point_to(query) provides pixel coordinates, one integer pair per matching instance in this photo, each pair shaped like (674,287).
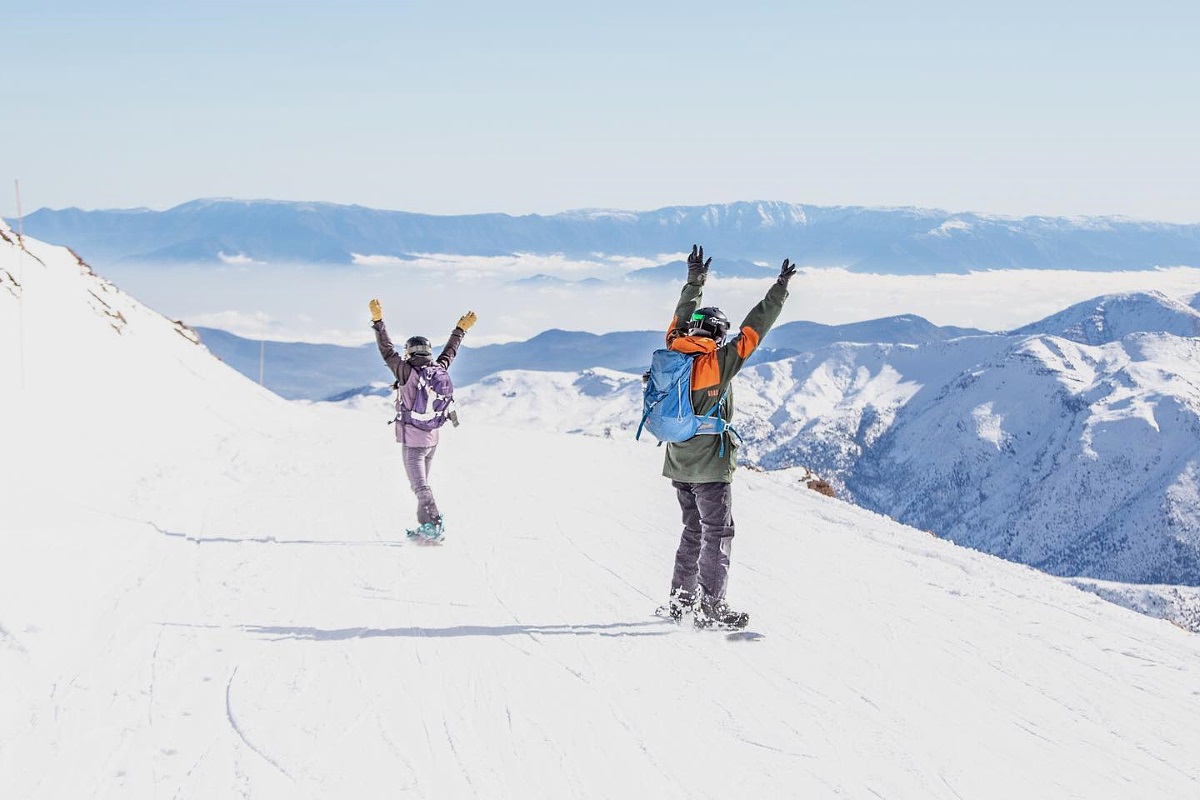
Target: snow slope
(99,390)
(213,597)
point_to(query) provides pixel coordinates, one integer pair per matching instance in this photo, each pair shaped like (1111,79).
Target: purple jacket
(403,370)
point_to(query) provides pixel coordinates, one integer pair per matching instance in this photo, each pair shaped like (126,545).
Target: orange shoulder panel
(747,342)
(706,371)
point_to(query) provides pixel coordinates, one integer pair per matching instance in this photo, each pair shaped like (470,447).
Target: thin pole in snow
(21,279)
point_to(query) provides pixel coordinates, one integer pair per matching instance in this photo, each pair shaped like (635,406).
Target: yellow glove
(376,311)
(467,320)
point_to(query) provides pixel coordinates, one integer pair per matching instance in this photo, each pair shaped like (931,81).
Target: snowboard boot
(428,532)
(717,614)
(681,604)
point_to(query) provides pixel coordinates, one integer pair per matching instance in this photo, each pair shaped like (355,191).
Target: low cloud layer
(427,294)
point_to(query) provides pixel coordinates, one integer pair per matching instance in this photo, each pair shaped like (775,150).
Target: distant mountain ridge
(300,371)
(897,240)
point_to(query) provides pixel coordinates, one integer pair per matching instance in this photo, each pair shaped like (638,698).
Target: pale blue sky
(1009,107)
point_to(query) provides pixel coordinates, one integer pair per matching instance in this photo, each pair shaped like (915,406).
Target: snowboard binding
(428,532)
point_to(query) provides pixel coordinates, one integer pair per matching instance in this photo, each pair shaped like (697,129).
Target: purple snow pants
(417,463)
(703,554)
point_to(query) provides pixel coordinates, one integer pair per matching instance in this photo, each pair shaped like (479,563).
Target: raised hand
(697,266)
(376,310)
(785,273)
(467,320)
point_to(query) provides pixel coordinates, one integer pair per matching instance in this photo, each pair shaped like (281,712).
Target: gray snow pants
(417,463)
(703,554)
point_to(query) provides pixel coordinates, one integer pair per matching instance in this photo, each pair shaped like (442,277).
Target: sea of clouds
(427,294)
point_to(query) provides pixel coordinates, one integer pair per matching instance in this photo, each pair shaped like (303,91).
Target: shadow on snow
(614,629)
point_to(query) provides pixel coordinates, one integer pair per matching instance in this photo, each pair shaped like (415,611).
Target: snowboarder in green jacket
(701,468)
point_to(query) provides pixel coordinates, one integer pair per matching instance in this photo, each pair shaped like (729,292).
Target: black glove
(697,266)
(785,273)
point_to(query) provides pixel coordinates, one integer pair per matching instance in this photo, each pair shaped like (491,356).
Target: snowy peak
(1112,317)
(743,215)
(64,285)
(8,282)
(98,380)
(902,329)
(1076,458)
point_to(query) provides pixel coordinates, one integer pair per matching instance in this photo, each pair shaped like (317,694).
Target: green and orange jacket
(700,459)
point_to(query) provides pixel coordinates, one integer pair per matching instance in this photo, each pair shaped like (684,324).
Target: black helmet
(709,321)
(418,346)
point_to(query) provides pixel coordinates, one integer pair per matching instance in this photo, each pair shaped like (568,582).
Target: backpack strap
(645,417)
(720,424)
(399,402)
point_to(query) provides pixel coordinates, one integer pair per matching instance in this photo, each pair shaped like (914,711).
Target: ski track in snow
(233,723)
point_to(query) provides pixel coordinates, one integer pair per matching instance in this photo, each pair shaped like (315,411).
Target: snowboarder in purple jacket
(414,370)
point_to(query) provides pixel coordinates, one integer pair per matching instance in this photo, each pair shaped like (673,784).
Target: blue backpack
(667,402)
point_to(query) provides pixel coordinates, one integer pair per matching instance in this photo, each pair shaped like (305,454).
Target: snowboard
(426,537)
(738,628)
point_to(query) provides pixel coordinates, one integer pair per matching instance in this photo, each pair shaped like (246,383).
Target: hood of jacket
(693,345)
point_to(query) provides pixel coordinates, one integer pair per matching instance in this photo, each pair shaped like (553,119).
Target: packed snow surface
(206,592)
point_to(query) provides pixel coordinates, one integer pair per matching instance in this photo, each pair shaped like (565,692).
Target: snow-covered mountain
(1112,317)
(302,371)
(1079,459)
(901,240)
(205,592)
(98,388)
(1076,459)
